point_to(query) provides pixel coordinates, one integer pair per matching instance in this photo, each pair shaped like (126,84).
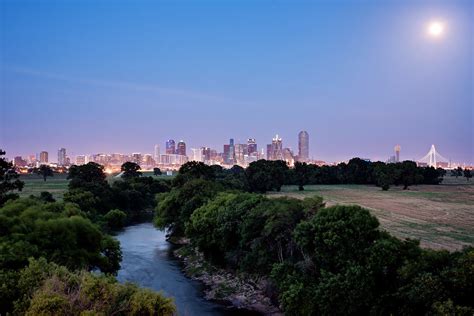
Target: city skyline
(274,151)
(91,79)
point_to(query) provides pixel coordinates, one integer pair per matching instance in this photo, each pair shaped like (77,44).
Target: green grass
(58,184)
(35,184)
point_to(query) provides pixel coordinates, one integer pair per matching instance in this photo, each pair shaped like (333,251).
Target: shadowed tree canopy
(157,171)
(467,174)
(89,173)
(194,170)
(44,171)
(266,175)
(130,170)
(8,180)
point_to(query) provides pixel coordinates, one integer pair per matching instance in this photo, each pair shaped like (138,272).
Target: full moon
(435,28)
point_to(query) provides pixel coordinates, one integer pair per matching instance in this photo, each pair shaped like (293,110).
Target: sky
(122,76)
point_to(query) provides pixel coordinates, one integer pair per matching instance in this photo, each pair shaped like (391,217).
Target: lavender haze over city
(359,76)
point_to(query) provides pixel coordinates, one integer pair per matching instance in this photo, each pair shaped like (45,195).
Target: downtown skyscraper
(62,157)
(170,147)
(303,146)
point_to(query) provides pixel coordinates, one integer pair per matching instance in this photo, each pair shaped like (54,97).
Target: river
(148,262)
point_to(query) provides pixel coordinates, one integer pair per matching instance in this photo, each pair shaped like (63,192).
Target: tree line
(320,260)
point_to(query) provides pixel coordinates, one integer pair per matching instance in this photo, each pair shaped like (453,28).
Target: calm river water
(148,262)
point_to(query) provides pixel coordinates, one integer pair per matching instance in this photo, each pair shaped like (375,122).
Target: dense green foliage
(116,219)
(266,175)
(467,174)
(45,171)
(8,180)
(57,231)
(130,170)
(156,171)
(248,231)
(49,289)
(359,171)
(175,207)
(328,261)
(134,195)
(72,234)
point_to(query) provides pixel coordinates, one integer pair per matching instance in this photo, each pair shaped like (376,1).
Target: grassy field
(57,185)
(34,185)
(440,216)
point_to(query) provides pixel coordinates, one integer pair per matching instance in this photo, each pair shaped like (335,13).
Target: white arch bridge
(432,158)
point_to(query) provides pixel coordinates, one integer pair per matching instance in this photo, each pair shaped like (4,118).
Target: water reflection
(147,261)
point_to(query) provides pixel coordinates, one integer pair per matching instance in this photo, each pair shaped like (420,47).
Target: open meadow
(34,185)
(57,185)
(440,216)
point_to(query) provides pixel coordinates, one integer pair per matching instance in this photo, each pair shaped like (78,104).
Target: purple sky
(359,76)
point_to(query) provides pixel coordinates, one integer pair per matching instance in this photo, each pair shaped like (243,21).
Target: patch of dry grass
(440,216)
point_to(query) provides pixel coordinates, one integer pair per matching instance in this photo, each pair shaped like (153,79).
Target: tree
(337,236)
(31,228)
(174,208)
(130,170)
(408,173)
(301,171)
(467,174)
(157,171)
(49,289)
(358,171)
(90,178)
(266,175)
(89,173)
(458,172)
(383,175)
(46,197)
(116,219)
(432,175)
(194,170)
(8,180)
(136,196)
(44,171)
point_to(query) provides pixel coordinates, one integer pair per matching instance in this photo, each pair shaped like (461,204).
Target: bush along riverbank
(226,287)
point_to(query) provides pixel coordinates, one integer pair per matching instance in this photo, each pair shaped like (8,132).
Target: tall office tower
(269,152)
(181,149)
(156,153)
(62,157)
(226,154)
(303,146)
(240,152)
(43,157)
(231,151)
(206,153)
(170,147)
(196,154)
(397,153)
(277,148)
(251,146)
